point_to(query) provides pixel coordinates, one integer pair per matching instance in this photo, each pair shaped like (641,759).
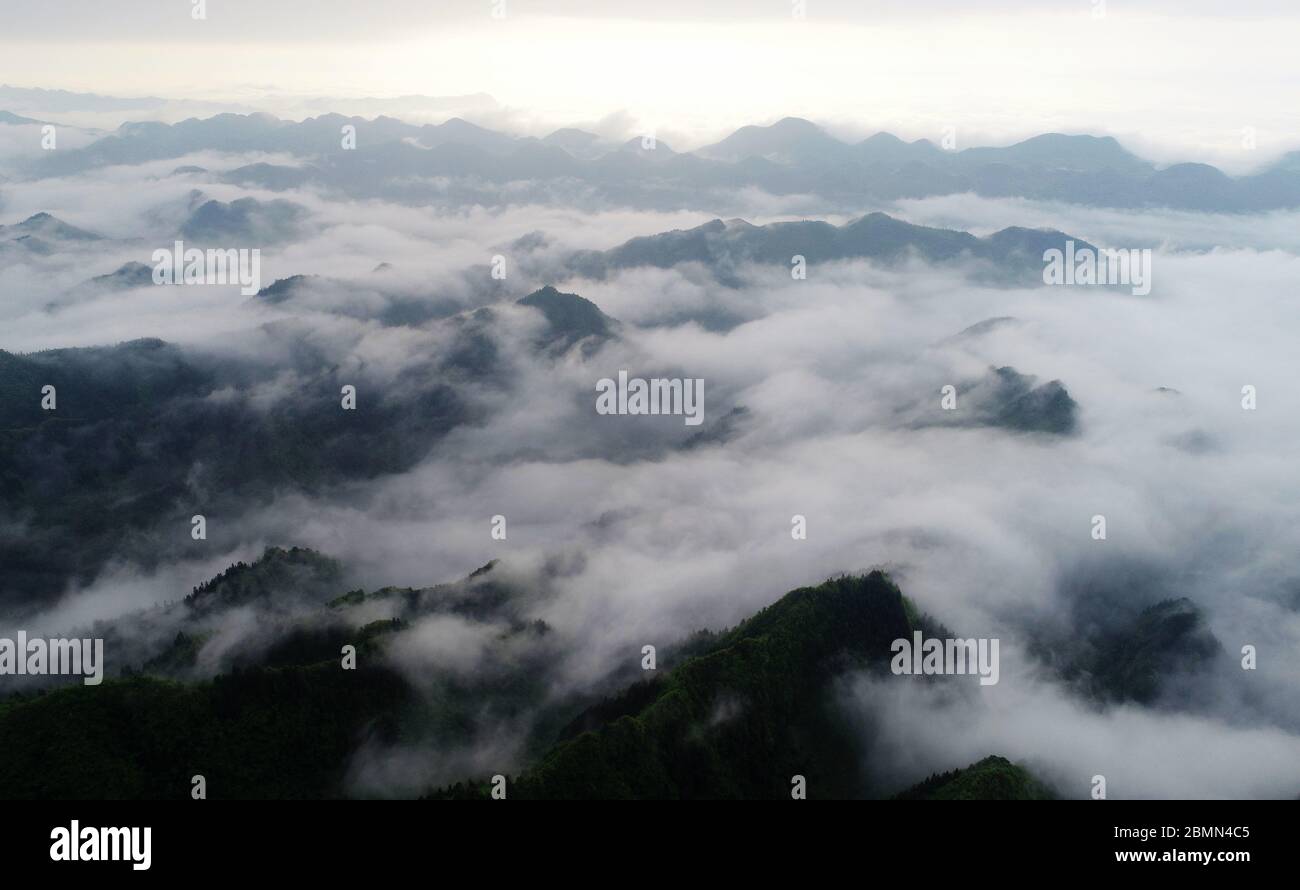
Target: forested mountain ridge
(731,715)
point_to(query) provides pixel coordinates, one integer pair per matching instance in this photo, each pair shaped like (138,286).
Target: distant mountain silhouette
(789,140)
(791,156)
(248,221)
(126,276)
(46,227)
(1013,253)
(8,117)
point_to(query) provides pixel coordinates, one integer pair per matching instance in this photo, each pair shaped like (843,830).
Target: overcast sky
(1180,80)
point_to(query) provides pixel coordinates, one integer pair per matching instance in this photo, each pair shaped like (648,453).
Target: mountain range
(139,436)
(731,714)
(792,156)
(734,714)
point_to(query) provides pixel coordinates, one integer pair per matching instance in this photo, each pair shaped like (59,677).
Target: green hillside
(742,719)
(737,715)
(993,778)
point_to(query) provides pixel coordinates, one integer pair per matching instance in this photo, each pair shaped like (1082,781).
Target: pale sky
(1172,80)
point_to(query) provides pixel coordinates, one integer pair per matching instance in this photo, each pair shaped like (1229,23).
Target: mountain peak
(570,134)
(48,225)
(882,138)
(789,139)
(571,317)
(1064,151)
(795,125)
(637,144)
(296,573)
